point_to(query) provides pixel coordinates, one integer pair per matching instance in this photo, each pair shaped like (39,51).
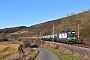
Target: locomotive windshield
(71,34)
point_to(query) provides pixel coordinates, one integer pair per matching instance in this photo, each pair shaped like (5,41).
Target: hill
(67,23)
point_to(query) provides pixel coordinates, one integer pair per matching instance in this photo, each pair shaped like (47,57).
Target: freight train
(63,37)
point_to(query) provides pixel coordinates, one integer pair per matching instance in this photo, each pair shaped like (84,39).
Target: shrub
(26,44)
(3,37)
(37,42)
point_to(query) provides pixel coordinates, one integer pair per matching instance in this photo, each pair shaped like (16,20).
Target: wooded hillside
(70,22)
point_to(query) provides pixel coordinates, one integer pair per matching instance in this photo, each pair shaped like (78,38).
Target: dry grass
(12,46)
(2,47)
(8,50)
(31,56)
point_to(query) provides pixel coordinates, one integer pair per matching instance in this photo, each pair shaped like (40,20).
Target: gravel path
(46,55)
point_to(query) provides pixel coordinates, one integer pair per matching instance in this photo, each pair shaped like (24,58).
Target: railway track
(82,45)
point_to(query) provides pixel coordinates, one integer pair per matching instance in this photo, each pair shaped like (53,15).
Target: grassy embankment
(31,56)
(62,55)
(8,48)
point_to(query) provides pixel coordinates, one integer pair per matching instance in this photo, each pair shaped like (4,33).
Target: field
(10,42)
(8,48)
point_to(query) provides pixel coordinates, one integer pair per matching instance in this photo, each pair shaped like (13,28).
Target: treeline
(12,30)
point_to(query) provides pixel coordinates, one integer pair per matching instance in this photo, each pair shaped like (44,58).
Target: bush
(26,44)
(37,42)
(3,37)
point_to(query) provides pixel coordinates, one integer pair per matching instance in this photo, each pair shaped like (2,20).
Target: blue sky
(30,12)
